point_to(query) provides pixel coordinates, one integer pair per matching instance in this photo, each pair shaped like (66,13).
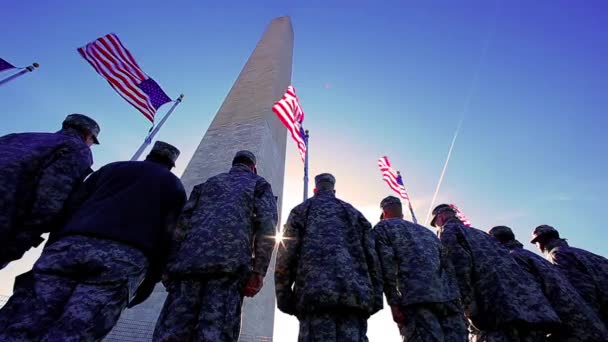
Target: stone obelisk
(244,121)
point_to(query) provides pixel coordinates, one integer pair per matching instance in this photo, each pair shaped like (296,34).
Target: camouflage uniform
(420,280)
(500,300)
(103,256)
(38,171)
(328,256)
(67,308)
(226,220)
(587,272)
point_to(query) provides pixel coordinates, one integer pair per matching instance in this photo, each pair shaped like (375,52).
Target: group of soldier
(116,232)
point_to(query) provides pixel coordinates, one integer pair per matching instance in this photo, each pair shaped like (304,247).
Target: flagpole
(20,73)
(306,136)
(151,135)
(409,202)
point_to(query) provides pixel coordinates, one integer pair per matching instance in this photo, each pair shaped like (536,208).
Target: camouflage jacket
(38,172)
(226,220)
(414,267)
(587,272)
(495,291)
(328,256)
(579,321)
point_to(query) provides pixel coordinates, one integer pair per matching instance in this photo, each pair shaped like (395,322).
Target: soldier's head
(163,153)
(441,214)
(503,234)
(87,127)
(325,182)
(391,207)
(247,158)
(542,235)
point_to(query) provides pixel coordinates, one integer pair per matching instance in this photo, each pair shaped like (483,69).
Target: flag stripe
(289,111)
(391,178)
(110,59)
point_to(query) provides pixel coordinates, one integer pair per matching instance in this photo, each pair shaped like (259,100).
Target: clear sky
(530,79)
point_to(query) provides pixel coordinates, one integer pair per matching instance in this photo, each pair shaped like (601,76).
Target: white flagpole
(151,135)
(306,136)
(20,73)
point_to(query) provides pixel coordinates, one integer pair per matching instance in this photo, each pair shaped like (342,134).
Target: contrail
(465,109)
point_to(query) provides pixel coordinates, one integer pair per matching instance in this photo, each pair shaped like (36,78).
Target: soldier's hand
(254,285)
(398,316)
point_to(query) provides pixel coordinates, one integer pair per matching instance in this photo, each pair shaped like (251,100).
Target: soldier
(587,272)
(501,301)
(329,258)
(227,220)
(114,241)
(419,281)
(38,171)
(579,321)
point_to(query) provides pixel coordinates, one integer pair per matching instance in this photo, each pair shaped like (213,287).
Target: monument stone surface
(244,121)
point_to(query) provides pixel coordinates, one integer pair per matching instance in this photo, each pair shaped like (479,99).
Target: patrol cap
(168,151)
(325,178)
(246,154)
(541,230)
(502,233)
(389,200)
(82,122)
(439,209)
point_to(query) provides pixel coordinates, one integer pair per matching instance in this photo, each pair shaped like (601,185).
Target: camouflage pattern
(415,269)
(328,255)
(247,154)
(80,285)
(165,150)
(223,219)
(325,178)
(587,272)
(201,310)
(579,321)
(509,334)
(82,122)
(434,322)
(38,171)
(327,327)
(496,293)
(419,278)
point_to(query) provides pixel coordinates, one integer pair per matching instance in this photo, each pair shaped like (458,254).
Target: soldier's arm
(183,222)
(386,254)
(55,185)
(265,222)
(461,259)
(287,262)
(373,263)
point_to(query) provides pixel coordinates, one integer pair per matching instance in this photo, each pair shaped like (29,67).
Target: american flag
(4,65)
(392,178)
(461,216)
(109,57)
(290,113)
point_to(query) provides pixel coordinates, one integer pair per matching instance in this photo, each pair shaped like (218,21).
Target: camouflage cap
(541,230)
(325,178)
(440,209)
(165,150)
(502,233)
(389,200)
(246,154)
(83,122)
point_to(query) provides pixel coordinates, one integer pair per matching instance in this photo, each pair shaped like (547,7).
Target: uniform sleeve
(287,262)
(183,223)
(264,225)
(386,254)
(55,185)
(373,263)
(577,275)
(462,260)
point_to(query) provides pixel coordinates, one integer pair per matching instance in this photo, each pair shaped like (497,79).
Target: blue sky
(374,78)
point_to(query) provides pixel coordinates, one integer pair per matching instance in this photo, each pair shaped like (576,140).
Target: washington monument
(244,121)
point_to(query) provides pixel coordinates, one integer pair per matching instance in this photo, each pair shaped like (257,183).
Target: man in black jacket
(108,254)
